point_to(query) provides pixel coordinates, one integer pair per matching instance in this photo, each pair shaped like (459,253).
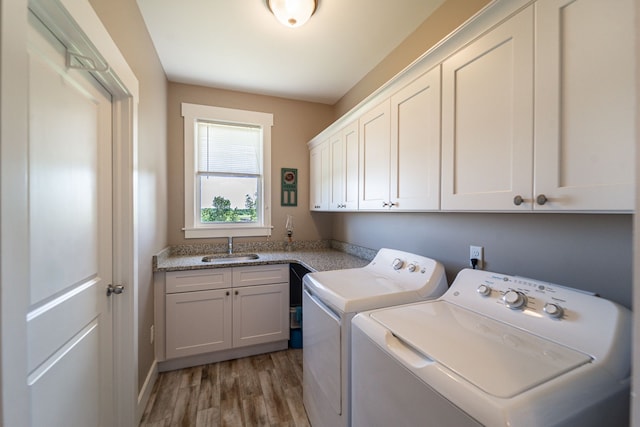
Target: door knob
(117,289)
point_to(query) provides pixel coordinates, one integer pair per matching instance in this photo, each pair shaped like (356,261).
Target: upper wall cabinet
(529,107)
(487,113)
(319,174)
(584,105)
(344,169)
(577,100)
(400,149)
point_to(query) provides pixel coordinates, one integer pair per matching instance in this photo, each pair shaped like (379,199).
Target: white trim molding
(193,112)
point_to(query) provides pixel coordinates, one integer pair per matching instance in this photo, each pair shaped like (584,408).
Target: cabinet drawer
(198,280)
(260,275)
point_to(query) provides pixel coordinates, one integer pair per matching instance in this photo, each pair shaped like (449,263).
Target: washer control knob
(484,290)
(553,310)
(397,264)
(412,267)
(514,300)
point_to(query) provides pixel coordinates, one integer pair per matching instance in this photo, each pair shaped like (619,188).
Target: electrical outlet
(477,252)
(151,334)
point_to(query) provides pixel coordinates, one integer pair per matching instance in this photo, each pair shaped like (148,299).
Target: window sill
(230,231)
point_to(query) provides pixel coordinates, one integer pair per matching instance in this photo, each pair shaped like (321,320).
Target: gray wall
(586,251)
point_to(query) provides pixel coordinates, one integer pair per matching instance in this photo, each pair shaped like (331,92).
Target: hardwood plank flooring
(263,390)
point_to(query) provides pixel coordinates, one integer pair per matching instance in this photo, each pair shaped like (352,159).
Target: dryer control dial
(412,267)
(515,300)
(553,310)
(484,290)
(397,264)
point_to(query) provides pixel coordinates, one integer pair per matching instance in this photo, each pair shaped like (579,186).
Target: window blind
(229,149)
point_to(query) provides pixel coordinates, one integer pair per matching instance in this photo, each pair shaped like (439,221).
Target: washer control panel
(408,272)
(405,265)
(520,294)
(411,265)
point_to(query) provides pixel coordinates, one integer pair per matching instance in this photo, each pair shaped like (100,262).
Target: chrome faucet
(230,245)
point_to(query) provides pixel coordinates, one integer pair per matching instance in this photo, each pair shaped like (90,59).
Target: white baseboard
(145,392)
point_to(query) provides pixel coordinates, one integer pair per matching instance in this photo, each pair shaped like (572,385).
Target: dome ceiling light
(292,13)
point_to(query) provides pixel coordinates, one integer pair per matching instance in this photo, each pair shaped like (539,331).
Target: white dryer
(495,350)
(330,300)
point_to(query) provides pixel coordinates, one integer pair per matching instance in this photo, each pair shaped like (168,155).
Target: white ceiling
(239,45)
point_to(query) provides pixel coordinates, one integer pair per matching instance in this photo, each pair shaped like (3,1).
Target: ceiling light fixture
(292,13)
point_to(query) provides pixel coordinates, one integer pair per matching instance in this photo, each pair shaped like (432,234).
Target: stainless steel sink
(229,257)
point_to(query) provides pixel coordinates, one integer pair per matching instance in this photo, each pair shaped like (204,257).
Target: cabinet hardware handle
(385,204)
(237,292)
(518,200)
(541,199)
(228,293)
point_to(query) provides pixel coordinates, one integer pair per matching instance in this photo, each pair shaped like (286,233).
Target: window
(227,174)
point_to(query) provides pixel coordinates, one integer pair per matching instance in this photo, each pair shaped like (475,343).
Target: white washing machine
(495,350)
(330,300)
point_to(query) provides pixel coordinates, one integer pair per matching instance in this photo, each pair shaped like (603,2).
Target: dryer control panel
(561,314)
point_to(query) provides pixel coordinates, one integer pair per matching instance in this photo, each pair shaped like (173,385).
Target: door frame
(76,24)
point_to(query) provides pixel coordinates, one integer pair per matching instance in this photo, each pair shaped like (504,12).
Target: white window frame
(193,228)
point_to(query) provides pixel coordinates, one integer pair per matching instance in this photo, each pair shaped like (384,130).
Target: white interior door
(69,323)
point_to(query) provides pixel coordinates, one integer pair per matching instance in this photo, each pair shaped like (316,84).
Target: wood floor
(263,390)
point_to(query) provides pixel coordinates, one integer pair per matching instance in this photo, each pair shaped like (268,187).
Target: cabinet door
(260,314)
(344,169)
(375,152)
(584,126)
(336,193)
(487,120)
(319,177)
(415,144)
(198,322)
(351,146)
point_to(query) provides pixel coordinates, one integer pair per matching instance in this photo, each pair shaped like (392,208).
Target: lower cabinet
(198,322)
(260,314)
(245,311)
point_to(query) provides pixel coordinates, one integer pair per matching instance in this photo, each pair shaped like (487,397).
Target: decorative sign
(289,187)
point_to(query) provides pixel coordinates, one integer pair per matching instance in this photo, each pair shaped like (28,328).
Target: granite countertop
(316,257)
